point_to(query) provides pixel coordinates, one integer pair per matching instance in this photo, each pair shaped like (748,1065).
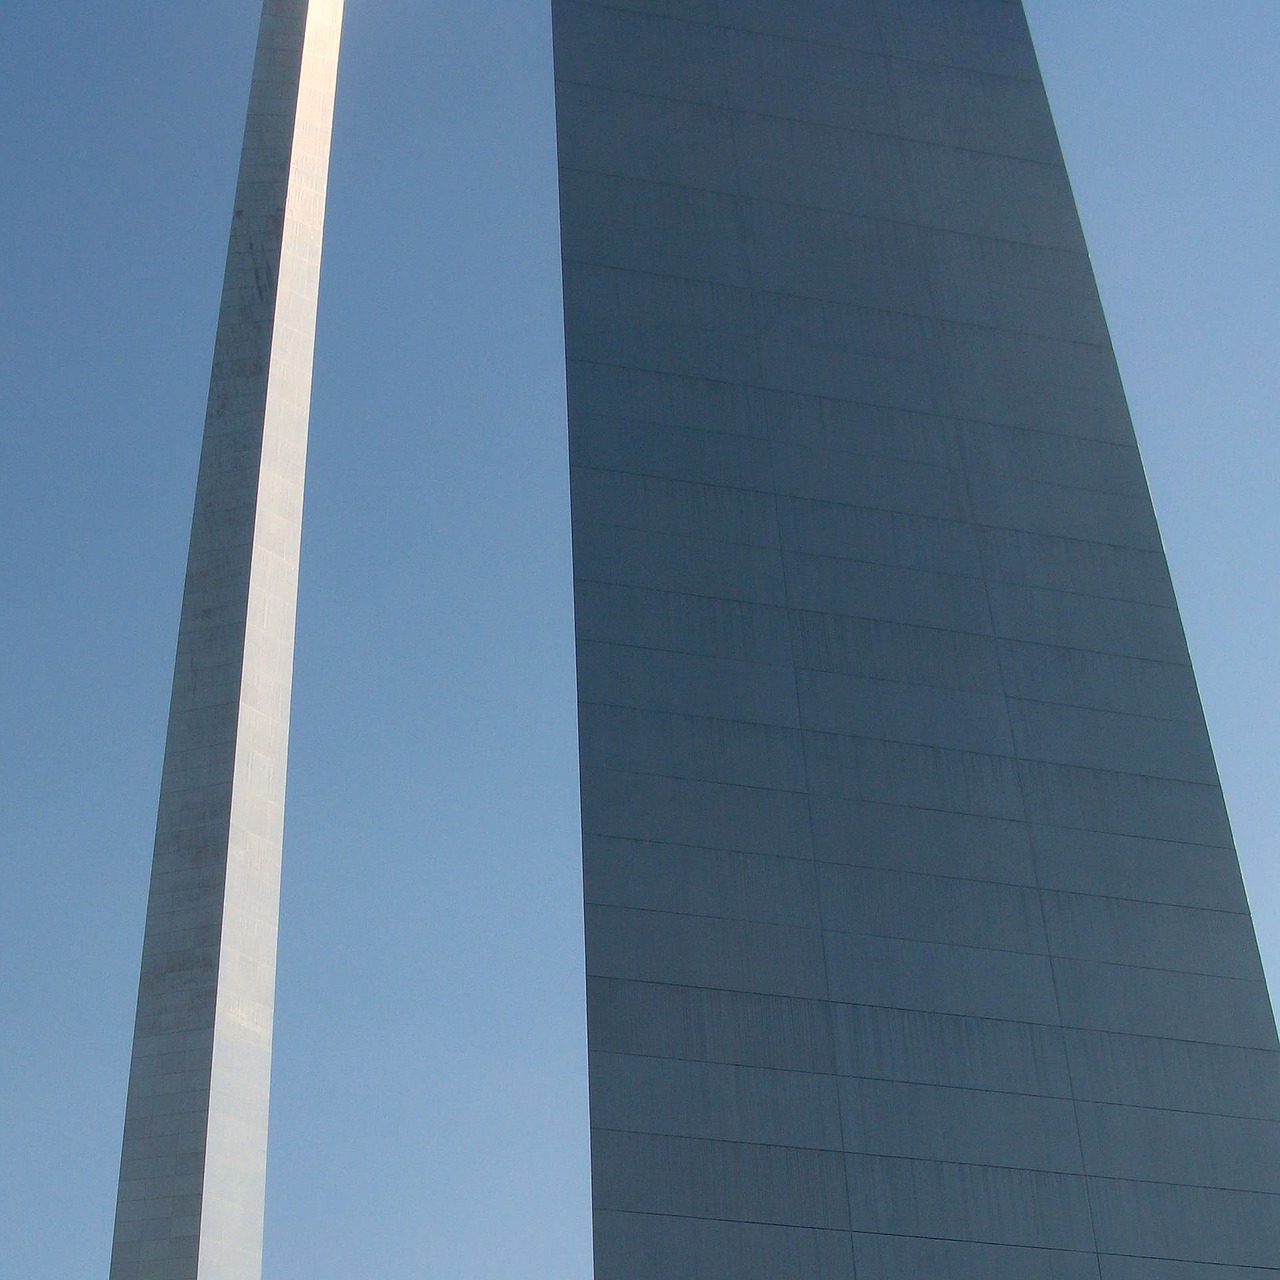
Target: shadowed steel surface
(193,1168)
(916,941)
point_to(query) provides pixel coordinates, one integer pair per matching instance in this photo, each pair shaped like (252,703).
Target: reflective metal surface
(193,1169)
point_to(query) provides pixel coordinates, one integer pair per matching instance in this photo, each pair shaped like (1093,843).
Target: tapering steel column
(193,1168)
(916,941)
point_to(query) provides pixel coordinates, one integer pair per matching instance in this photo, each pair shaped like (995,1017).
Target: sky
(429,1089)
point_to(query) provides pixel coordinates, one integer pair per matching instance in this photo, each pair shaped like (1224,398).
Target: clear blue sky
(429,1103)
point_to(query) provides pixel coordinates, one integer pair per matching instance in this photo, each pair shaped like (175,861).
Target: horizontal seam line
(934,1160)
(739,384)
(937,1013)
(720,25)
(908,1082)
(735,113)
(1103,347)
(821,933)
(585,579)
(1080,256)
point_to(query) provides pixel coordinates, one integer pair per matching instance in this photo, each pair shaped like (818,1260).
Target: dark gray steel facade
(916,941)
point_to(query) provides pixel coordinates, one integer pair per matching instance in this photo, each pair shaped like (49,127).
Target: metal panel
(193,1166)
(916,942)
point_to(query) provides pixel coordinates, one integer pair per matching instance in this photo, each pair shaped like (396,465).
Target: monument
(193,1166)
(916,942)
